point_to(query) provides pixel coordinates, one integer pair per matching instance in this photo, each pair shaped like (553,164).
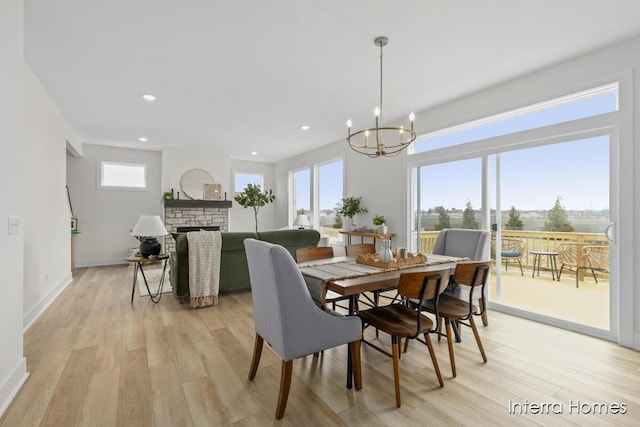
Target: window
(589,103)
(122,175)
(315,192)
(545,175)
(302,192)
(240,181)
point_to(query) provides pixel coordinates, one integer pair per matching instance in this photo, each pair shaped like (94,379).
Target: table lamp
(146,230)
(301,221)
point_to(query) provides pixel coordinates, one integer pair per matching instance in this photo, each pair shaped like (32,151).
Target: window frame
(100,175)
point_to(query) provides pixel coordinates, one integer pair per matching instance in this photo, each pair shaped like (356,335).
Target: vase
(385,254)
(382,229)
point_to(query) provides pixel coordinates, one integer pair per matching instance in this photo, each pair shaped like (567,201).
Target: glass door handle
(610,234)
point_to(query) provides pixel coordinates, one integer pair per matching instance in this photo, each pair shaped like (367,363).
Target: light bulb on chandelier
(387,140)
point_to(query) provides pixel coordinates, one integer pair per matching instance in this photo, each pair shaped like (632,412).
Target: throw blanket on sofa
(204,267)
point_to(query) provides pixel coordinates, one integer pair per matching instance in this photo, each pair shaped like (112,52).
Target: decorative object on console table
(381,223)
(146,230)
(349,207)
(301,221)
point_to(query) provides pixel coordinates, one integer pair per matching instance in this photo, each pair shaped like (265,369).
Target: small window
(240,181)
(121,175)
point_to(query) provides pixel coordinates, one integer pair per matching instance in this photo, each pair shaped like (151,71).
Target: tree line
(556,219)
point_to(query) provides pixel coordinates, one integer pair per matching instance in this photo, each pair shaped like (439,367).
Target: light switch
(14,224)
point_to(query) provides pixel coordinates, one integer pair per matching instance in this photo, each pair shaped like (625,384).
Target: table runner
(316,276)
(332,271)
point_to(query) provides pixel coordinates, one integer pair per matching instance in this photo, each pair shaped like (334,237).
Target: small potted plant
(349,207)
(381,223)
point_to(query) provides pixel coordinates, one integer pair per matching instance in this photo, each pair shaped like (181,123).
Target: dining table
(345,276)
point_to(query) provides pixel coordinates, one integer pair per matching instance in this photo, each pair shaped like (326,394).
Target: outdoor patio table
(551,260)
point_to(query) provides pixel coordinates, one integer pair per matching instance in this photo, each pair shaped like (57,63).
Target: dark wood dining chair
(313,253)
(401,321)
(321,252)
(451,309)
(362,249)
(359,249)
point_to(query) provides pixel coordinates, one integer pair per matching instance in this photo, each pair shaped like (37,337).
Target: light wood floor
(96,360)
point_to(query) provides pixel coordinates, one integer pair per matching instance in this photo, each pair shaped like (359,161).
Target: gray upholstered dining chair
(472,244)
(287,318)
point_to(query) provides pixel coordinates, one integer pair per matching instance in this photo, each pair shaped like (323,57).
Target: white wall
(13,369)
(47,241)
(105,217)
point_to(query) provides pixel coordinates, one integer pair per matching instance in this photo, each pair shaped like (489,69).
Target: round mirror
(193,181)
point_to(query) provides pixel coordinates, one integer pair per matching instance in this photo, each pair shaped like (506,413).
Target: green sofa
(234,272)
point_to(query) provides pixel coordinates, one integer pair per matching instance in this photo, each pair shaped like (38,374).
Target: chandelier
(381,140)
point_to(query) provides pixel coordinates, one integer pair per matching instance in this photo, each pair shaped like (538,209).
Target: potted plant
(381,223)
(349,207)
(254,197)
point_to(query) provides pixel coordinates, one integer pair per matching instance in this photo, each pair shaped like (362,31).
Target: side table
(551,257)
(138,263)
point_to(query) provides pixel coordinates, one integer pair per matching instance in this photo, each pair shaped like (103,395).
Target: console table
(370,235)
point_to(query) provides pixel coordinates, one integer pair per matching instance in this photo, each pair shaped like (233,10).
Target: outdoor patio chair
(583,257)
(286,317)
(510,249)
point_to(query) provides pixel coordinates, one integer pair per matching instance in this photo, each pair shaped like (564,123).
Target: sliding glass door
(553,203)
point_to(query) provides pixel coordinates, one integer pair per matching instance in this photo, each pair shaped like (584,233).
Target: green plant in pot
(253,197)
(349,207)
(381,223)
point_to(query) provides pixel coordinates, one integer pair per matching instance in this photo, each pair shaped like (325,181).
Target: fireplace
(194,214)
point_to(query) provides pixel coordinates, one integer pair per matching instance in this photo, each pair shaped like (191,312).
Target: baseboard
(35,312)
(98,262)
(11,385)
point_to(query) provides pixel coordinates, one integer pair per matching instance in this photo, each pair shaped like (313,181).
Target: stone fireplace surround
(194,213)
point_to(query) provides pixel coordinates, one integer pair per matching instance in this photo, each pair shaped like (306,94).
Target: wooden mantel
(197,203)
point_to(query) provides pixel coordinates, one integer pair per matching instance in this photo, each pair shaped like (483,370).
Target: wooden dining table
(346,277)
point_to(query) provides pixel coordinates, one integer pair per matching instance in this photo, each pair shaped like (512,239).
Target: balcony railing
(534,241)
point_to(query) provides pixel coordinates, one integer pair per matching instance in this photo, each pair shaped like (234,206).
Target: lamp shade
(301,221)
(149,226)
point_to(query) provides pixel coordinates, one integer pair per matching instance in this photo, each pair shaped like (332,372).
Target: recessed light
(254,153)
(305,127)
(143,139)
(148,97)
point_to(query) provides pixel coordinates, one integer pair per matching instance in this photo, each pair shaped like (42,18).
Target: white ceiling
(243,75)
